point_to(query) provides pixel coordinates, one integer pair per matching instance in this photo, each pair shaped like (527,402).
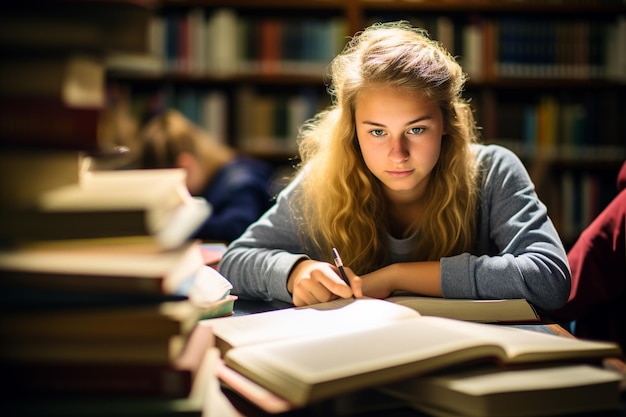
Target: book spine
(33,173)
(47,124)
(86,327)
(44,26)
(96,380)
(31,225)
(143,352)
(270,46)
(81,283)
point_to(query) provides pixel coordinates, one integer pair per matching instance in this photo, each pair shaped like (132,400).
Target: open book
(308,354)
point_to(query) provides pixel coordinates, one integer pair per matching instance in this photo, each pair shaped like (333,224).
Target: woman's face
(399,134)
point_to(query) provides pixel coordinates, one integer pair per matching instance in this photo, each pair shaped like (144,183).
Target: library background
(547,78)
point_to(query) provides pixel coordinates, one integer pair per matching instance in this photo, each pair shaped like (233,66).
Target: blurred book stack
(102,283)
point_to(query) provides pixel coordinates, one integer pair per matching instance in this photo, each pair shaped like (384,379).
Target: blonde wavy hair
(343,203)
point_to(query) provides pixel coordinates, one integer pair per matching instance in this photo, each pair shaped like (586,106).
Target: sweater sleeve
(258,263)
(518,253)
(239,195)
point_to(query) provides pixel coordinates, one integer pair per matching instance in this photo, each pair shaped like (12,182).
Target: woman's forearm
(416,277)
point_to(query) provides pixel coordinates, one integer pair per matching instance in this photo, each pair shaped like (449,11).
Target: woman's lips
(400,173)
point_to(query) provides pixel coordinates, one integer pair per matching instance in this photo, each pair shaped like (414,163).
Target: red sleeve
(598,263)
(621,178)
(599,255)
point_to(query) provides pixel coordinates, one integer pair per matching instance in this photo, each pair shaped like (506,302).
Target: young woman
(393,177)
(237,188)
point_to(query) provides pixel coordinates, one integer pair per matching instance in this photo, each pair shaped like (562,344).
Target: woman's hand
(312,282)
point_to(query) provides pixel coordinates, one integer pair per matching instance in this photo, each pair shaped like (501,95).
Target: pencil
(339,264)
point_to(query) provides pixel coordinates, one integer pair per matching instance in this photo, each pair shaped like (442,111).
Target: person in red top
(597,302)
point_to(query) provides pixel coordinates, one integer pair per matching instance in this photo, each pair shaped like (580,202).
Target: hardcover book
(109,204)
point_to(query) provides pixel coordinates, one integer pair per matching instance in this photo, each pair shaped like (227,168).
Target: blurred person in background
(237,187)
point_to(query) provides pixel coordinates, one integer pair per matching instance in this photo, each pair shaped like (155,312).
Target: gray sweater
(517,252)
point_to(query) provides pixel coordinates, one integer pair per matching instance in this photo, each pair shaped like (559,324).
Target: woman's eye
(416,130)
(377,132)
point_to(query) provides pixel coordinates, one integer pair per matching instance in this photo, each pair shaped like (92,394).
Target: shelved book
(74,25)
(223,42)
(318,359)
(154,204)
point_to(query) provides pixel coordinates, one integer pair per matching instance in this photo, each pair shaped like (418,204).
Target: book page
(331,364)
(526,346)
(335,317)
(173,228)
(319,358)
(135,178)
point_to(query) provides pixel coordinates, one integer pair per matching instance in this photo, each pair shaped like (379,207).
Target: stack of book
(102,284)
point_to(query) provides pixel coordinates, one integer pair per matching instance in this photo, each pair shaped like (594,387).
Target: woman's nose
(398,151)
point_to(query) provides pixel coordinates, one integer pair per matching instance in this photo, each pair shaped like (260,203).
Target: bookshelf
(547,79)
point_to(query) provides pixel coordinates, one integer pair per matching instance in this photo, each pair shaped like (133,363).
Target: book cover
(107,204)
(51,380)
(123,377)
(485,311)
(32,173)
(131,322)
(48,123)
(105,269)
(109,352)
(223,42)
(483,391)
(76,80)
(204,395)
(204,398)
